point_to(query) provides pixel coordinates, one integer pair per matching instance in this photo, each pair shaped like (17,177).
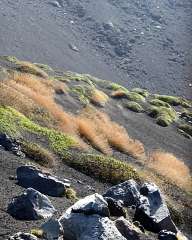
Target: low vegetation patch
(101,167)
(164,116)
(37,153)
(115,87)
(70,193)
(173,100)
(186,128)
(14,123)
(136,97)
(31,68)
(133,106)
(159,103)
(141,91)
(171,167)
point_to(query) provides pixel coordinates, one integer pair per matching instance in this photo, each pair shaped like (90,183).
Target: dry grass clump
(28,67)
(9,96)
(32,92)
(103,132)
(98,97)
(171,167)
(119,94)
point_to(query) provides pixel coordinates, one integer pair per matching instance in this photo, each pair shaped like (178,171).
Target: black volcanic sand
(83,184)
(132,42)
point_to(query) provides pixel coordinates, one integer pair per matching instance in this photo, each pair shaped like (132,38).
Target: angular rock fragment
(52,230)
(88,227)
(29,176)
(128,192)
(167,235)
(11,145)
(115,207)
(22,236)
(128,230)
(93,204)
(152,211)
(31,205)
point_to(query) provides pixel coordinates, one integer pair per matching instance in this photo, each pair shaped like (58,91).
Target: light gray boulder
(128,192)
(78,226)
(22,236)
(29,176)
(152,211)
(93,204)
(31,205)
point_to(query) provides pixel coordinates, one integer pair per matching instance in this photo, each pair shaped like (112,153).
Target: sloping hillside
(147,43)
(93,132)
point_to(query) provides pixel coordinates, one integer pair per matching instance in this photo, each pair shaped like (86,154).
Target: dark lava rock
(167,235)
(52,229)
(129,231)
(29,176)
(128,192)
(152,211)
(93,204)
(116,207)
(31,205)
(11,144)
(22,236)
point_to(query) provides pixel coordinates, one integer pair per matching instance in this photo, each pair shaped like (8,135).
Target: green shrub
(159,103)
(172,100)
(70,193)
(164,116)
(136,97)
(101,167)
(37,153)
(115,86)
(11,59)
(141,91)
(133,106)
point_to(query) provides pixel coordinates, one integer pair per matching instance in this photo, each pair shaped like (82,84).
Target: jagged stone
(11,144)
(129,230)
(128,192)
(31,205)
(115,207)
(52,230)
(88,227)
(152,211)
(22,236)
(29,176)
(93,204)
(167,235)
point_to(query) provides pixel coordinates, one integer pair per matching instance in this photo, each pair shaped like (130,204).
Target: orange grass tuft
(171,167)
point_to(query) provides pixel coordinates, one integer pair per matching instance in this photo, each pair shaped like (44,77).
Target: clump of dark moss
(37,153)
(133,106)
(141,91)
(159,103)
(101,167)
(186,128)
(164,116)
